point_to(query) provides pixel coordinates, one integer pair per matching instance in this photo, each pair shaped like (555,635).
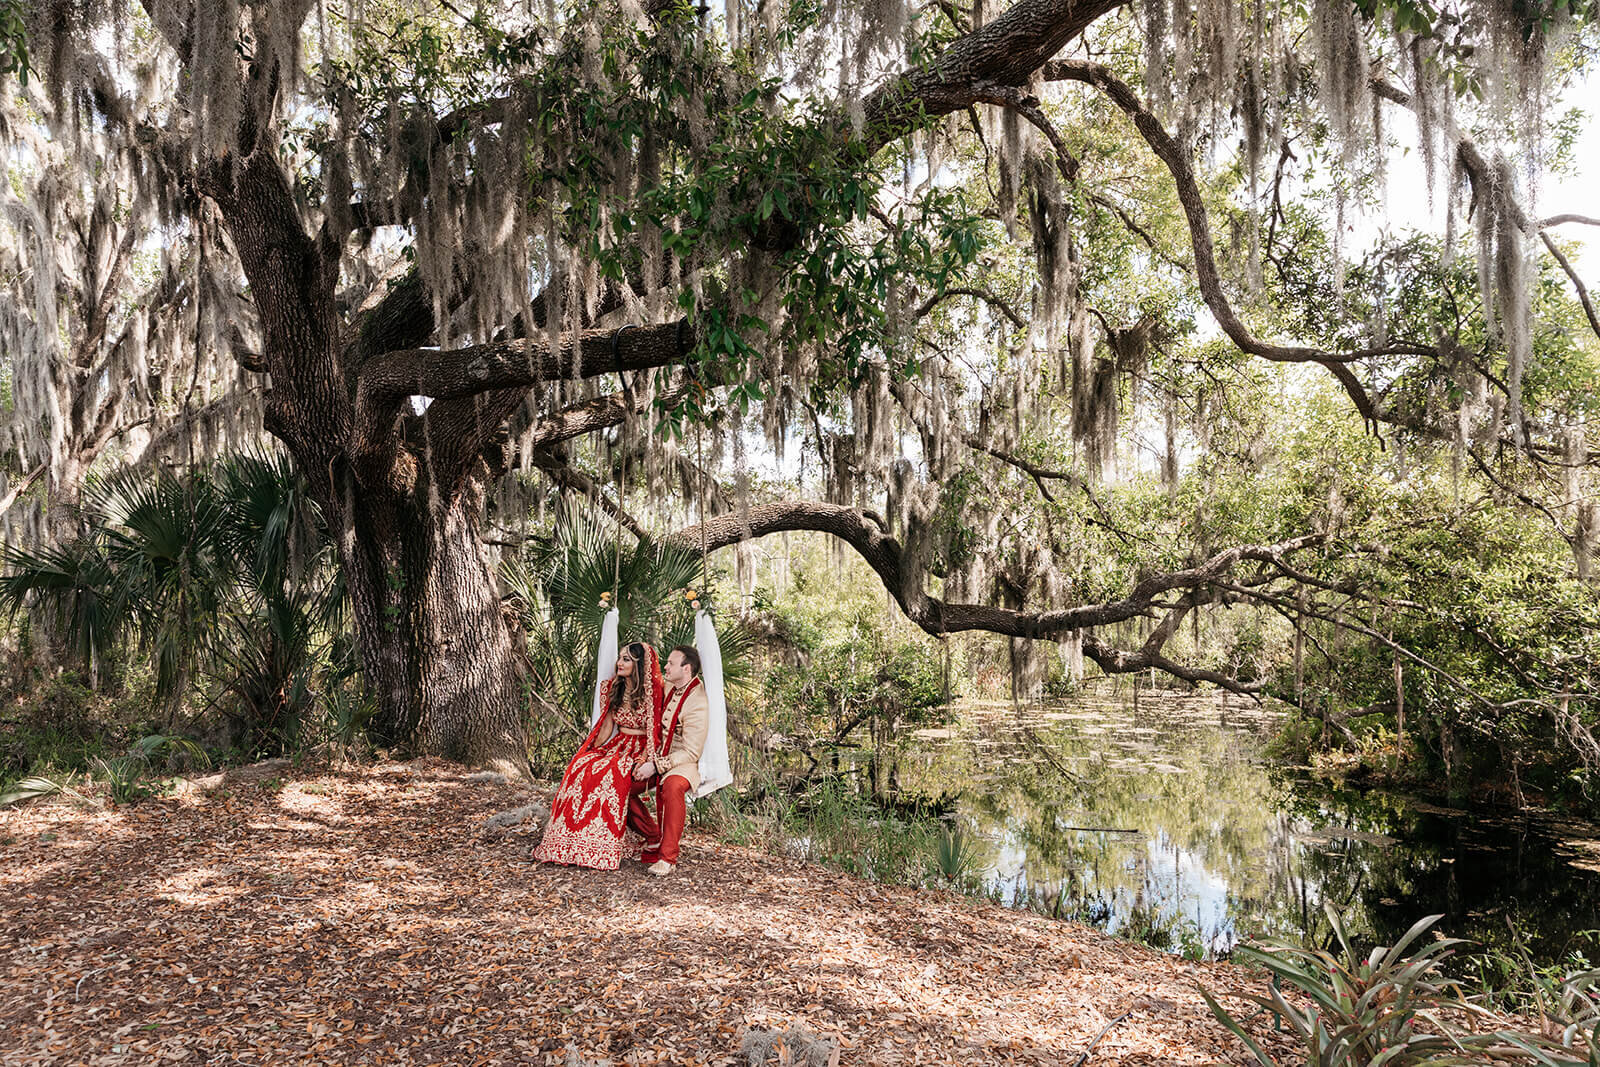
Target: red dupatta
(657,689)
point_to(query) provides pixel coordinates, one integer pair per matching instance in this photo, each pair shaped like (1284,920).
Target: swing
(715,768)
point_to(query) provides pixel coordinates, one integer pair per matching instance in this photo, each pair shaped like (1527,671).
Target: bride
(588,815)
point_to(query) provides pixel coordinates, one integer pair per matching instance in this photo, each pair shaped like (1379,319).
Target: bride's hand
(644,770)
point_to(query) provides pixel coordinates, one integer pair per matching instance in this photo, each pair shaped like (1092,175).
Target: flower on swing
(605,599)
(695,604)
(689,594)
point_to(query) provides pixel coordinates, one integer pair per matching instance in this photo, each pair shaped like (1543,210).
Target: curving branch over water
(884,553)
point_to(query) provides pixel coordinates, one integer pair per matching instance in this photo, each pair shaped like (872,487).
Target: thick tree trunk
(439,655)
(444,666)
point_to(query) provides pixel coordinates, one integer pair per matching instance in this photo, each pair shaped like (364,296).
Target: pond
(1158,816)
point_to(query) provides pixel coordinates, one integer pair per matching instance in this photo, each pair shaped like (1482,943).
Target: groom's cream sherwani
(689,740)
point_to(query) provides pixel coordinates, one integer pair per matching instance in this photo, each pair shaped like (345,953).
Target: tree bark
(438,653)
(439,658)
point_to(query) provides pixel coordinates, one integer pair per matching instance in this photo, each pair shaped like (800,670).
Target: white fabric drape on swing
(714,769)
(608,661)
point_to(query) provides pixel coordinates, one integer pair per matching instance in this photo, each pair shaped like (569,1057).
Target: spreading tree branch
(1478,170)
(21,486)
(884,554)
(1559,220)
(1027,105)
(1130,224)
(569,479)
(1207,275)
(994,300)
(1577,283)
(386,381)
(1006,51)
(1117,661)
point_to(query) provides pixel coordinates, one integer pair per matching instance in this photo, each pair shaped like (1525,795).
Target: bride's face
(624,666)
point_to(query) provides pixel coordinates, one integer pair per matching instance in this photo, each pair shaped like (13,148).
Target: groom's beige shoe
(660,868)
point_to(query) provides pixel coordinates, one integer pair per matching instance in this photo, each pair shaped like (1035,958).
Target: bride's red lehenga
(588,816)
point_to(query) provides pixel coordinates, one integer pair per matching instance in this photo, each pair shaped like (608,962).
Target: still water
(1163,819)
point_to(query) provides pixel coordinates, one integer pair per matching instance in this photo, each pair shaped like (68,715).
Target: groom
(685,722)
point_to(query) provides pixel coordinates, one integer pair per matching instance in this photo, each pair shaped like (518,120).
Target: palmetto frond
(583,562)
(560,592)
(76,582)
(272,528)
(208,571)
(164,543)
(268,661)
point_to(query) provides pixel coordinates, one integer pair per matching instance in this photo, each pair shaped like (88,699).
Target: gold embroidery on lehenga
(587,826)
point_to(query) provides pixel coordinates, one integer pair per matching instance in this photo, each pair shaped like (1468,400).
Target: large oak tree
(857,223)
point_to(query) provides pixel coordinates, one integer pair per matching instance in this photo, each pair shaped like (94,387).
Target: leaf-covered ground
(361,915)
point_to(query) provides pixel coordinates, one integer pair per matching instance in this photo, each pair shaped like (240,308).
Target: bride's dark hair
(635,683)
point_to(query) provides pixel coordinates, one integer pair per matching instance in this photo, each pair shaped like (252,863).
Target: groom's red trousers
(672,808)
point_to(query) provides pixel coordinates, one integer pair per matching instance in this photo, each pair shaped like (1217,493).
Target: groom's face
(676,671)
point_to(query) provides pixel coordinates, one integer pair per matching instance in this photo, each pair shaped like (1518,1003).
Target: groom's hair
(690,656)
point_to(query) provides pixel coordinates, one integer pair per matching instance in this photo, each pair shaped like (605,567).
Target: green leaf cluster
(223,573)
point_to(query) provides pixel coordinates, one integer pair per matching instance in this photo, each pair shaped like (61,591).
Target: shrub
(1365,1011)
(1360,1011)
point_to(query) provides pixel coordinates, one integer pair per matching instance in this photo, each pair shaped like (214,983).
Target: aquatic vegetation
(1164,824)
(957,853)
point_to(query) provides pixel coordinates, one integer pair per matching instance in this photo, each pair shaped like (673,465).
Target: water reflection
(1160,819)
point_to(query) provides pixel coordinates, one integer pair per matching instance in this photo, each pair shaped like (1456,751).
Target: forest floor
(362,915)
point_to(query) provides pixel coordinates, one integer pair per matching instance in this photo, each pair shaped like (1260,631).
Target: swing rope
(616,560)
(622,466)
(700,463)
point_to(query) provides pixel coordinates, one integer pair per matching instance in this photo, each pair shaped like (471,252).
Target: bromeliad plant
(1365,1011)
(1571,1020)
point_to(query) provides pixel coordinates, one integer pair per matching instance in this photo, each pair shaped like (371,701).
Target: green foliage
(836,824)
(14,40)
(1485,598)
(225,574)
(845,682)
(1361,1010)
(1574,1012)
(1564,995)
(741,165)
(124,777)
(128,776)
(56,728)
(839,667)
(166,564)
(958,854)
(584,566)
(75,581)
(1498,634)
(348,711)
(172,747)
(30,789)
(1395,1007)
